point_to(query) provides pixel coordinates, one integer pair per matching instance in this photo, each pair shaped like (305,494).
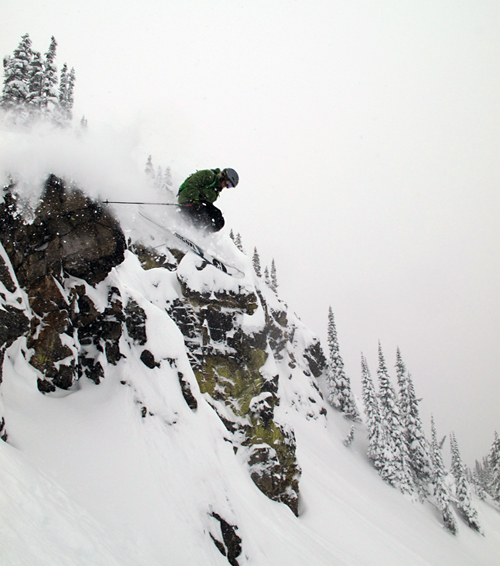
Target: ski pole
(132,202)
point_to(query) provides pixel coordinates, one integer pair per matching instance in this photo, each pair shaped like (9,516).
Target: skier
(198,193)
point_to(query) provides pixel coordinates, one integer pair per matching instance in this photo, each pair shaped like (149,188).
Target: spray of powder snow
(105,163)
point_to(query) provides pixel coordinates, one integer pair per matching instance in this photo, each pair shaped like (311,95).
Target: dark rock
(183,315)
(315,358)
(148,360)
(70,232)
(244,301)
(3,431)
(220,546)
(231,545)
(187,393)
(13,323)
(275,471)
(271,384)
(219,323)
(151,259)
(135,320)
(90,368)
(97,331)
(5,277)
(45,296)
(45,386)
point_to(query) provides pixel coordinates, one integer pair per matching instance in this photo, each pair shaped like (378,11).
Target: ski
(224,267)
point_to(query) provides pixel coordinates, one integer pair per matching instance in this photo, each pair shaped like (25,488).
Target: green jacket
(202,186)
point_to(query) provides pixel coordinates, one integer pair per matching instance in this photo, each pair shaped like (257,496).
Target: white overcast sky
(367,138)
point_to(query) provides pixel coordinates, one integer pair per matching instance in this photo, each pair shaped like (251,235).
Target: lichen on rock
(228,361)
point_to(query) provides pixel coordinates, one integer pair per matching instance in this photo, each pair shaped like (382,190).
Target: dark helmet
(231,176)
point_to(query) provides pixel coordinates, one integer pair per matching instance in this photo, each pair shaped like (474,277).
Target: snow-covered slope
(126,471)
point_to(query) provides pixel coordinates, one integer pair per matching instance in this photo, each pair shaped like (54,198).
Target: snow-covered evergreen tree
(30,89)
(256,263)
(84,125)
(480,485)
(494,469)
(149,169)
(167,184)
(372,413)
(274,277)
(35,83)
(50,98)
(63,85)
(70,93)
(161,180)
(267,279)
(239,243)
(401,375)
(441,492)
(17,77)
(416,443)
(396,470)
(350,437)
(339,385)
(66,88)
(158,178)
(462,493)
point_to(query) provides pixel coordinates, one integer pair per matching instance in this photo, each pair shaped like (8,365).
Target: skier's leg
(216,219)
(196,214)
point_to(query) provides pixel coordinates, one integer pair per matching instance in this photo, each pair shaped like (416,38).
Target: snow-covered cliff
(157,411)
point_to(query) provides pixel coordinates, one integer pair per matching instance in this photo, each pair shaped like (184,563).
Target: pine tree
(372,412)
(462,493)
(440,490)
(494,469)
(158,178)
(49,81)
(167,184)
(64,115)
(63,85)
(17,75)
(338,383)
(480,485)
(274,277)
(350,437)
(149,170)
(267,279)
(401,374)
(66,98)
(396,470)
(239,243)
(34,99)
(256,262)
(416,444)
(30,86)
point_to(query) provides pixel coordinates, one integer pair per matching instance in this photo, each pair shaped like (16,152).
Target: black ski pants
(203,215)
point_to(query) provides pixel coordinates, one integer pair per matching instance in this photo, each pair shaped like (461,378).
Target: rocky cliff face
(243,344)
(70,243)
